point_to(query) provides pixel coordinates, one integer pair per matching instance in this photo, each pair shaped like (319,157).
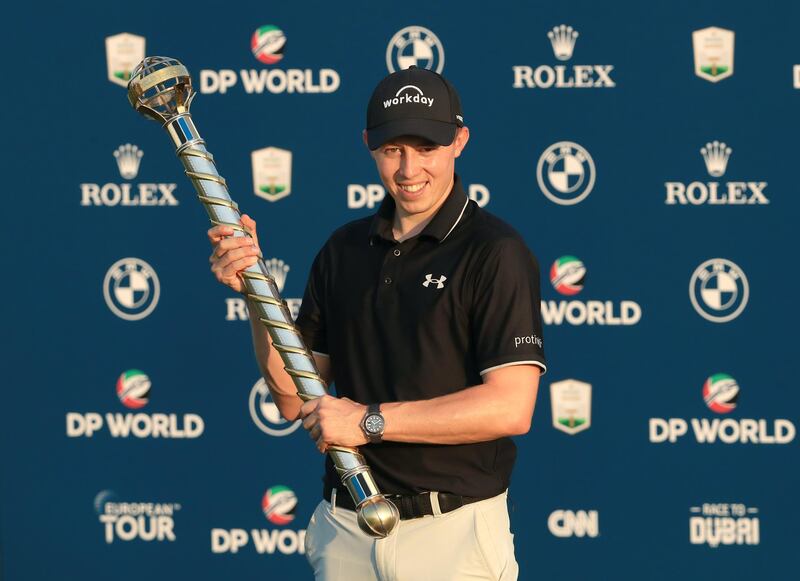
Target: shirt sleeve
(311,320)
(506,308)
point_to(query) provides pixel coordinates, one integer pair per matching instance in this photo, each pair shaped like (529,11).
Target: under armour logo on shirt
(439,281)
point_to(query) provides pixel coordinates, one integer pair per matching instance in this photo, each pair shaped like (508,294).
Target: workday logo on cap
(408,94)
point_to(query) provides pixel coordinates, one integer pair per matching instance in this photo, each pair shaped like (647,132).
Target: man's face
(416,172)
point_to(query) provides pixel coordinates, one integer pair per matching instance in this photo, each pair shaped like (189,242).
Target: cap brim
(438,132)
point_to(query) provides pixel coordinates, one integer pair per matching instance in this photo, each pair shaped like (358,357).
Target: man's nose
(409,164)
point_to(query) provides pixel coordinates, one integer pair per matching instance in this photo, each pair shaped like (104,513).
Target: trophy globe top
(160,88)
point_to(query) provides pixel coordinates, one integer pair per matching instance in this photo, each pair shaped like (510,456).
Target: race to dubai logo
(566,173)
(723,523)
(716,155)
(415,46)
(713,53)
(131,289)
(268,43)
(721,392)
(272,173)
(568,275)
(265,413)
(279,504)
(571,403)
(719,290)
(133,389)
(562,39)
(123,52)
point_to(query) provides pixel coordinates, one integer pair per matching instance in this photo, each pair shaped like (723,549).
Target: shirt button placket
(390,267)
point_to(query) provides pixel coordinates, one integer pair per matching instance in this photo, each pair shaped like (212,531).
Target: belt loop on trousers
(333,501)
(437,510)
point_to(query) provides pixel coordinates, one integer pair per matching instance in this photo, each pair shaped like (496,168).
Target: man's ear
(461,139)
(364,138)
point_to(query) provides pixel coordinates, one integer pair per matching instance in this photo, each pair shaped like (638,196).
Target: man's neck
(405,225)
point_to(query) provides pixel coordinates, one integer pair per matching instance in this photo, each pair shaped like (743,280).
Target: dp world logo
(568,275)
(415,46)
(268,43)
(720,392)
(131,289)
(279,504)
(133,389)
(565,173)
(719,290)
(265,413)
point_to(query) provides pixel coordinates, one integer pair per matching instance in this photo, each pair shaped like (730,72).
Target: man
(427,317)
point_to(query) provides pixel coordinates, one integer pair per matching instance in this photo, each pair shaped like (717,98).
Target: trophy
(160,88)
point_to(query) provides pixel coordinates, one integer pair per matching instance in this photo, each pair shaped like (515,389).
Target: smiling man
(426,316)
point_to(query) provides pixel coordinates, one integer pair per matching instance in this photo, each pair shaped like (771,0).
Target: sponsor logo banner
(713,53)
(278,505)
(268,45)
(265,414)
(415,46)
(718,290)
(272,173)
(720,393)
(713,193)
(565,173)
(568,277)
(371,195)
(123,52)
(134,389)
(131,289)
(571,405)
(236,307)
(716,524)
(562,39)
(135,521)
(577,523)
(129,158)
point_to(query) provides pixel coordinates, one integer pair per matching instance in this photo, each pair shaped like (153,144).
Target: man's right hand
(230,256)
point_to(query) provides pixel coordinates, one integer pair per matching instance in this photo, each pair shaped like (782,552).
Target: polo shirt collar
(439,228)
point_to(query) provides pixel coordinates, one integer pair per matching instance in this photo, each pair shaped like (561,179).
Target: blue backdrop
(663,443)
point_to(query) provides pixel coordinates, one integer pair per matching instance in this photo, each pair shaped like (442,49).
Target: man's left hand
(333,421)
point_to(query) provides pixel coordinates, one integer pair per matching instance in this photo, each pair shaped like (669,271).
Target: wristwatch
(372,424)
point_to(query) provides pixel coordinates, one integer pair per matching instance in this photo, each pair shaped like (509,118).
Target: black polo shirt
(421,318)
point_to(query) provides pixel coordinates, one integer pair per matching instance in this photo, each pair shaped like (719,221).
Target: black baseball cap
(416,102)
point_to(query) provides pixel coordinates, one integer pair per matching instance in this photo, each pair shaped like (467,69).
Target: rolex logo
(128,159)
(278,270)
(716,155)
(734,192)
(563,40)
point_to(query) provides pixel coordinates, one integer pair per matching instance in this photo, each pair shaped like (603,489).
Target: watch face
(374,424)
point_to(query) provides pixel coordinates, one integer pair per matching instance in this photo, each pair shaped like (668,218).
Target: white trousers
(472,543)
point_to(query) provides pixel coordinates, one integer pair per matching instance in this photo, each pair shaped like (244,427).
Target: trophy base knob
(378,517)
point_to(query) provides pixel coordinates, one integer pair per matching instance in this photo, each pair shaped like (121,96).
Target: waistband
(410,506)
